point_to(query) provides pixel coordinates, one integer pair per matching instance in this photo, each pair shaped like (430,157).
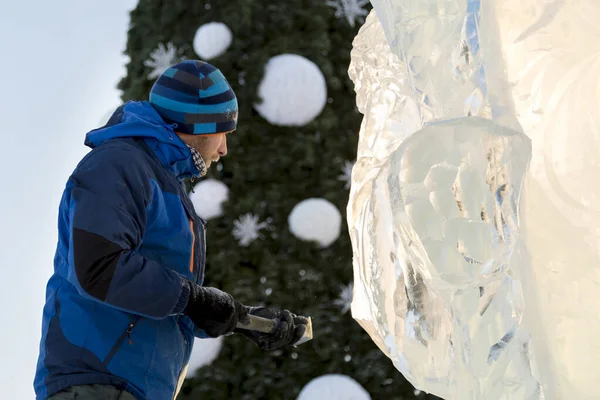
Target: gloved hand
(212,310)
(289,329)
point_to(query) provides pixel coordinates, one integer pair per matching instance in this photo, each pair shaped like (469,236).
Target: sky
(60,66)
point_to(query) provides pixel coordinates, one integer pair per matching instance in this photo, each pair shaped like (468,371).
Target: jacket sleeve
(109,198)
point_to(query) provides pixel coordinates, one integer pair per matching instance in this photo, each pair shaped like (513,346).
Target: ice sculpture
(470,298)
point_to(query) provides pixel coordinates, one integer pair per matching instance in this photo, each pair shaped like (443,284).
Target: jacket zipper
(129,330)
(200,224)
(126,334)
(189,208)
(203,253)
(193,256)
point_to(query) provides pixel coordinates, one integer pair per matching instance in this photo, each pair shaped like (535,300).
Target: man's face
(210,147)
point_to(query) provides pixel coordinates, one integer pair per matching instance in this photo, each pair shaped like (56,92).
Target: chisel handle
(267,325)
(258,324)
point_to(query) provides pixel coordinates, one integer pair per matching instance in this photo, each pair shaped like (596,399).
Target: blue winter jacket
(128,240)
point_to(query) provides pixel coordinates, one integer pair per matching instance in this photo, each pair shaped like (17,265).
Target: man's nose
(223,147)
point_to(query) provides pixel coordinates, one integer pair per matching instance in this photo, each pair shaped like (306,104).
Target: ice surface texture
(551,55)
(464,212)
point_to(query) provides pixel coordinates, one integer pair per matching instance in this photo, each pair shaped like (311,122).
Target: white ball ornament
(212,40)
(205,351)
(333,387)
(317,220)
(293,91)
(208,197)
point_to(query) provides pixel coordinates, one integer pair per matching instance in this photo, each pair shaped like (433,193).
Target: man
(125,300)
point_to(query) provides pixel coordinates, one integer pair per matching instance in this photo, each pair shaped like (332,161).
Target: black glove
(289,329)
(212,310)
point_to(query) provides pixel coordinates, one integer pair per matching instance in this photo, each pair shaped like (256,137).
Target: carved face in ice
(453,193)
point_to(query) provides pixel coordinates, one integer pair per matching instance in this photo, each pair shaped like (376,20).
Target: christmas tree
(275,205)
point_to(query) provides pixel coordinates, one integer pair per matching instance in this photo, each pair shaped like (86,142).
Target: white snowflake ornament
(317,220)
(345,299)
(204,352)
(352,10)
(293,91)
(208,197)
(246,229)
(212,40)
(333,387)
(346,175)
(162,59)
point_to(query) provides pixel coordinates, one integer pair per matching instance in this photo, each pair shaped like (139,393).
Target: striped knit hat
(196,97)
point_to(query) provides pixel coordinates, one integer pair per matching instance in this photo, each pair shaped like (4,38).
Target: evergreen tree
(270,169)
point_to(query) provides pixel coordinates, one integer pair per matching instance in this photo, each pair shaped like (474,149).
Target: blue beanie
(196,97)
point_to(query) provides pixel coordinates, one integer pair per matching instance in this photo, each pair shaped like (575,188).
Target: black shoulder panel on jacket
(95,260)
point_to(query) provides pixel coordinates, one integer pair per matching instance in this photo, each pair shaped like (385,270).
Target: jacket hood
(140,119)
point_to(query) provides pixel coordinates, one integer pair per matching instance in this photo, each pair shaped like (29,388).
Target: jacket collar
(140,119)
